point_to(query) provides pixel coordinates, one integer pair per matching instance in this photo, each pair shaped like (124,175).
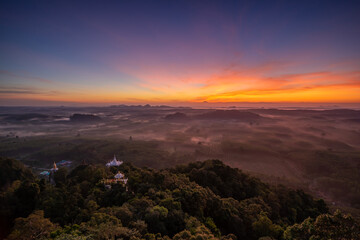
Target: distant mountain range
(244,116)
(84,118)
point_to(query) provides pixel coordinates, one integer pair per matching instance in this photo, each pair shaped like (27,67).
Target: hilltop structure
(54,168)
(51,174)
(120,177)
(114,163)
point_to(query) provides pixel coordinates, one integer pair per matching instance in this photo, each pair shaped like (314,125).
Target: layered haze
(316,150)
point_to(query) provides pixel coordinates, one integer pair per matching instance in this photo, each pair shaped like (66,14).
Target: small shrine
(119,178)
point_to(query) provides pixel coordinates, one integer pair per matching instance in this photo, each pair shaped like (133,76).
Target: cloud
(18,91)
(11,74)
(253,85)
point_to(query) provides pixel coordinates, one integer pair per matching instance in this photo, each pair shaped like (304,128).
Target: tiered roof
(114,162)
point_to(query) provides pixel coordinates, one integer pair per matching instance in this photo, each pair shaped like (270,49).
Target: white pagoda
(114,163)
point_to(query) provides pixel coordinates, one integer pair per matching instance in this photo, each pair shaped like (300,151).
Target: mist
(316,150)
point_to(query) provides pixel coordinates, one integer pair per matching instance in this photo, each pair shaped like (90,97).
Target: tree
(25,198)
(11,170)
(60,176)
(155,219)
(264,227)
(35,226)
(326,226)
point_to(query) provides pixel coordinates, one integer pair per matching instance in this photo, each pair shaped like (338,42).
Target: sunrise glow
(178,52)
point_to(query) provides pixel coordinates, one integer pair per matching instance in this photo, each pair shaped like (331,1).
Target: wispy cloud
(24,76)
(285,87)
(18,91)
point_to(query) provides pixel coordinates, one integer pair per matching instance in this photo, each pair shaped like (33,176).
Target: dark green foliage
(203,200)
(60,176)
(39,152)
(281,203)
(223,180)
(18,195)
(325,226)
(35,226)
(11,170)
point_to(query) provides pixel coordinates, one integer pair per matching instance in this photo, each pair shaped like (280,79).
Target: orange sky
(179,52)
(248,86)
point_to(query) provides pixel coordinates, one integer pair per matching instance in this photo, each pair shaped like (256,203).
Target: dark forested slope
(202,200)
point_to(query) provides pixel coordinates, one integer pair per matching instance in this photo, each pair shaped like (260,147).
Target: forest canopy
(201,200)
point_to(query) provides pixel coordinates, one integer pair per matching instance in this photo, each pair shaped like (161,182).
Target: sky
(173,52)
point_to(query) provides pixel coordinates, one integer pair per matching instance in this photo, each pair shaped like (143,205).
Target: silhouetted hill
(26,116)
(230,114)
(353,120)
(342,113)
(85,118)
(176,116)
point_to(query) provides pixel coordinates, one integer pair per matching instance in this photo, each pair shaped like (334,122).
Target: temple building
(54,168)
(114,163)
(120,177)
